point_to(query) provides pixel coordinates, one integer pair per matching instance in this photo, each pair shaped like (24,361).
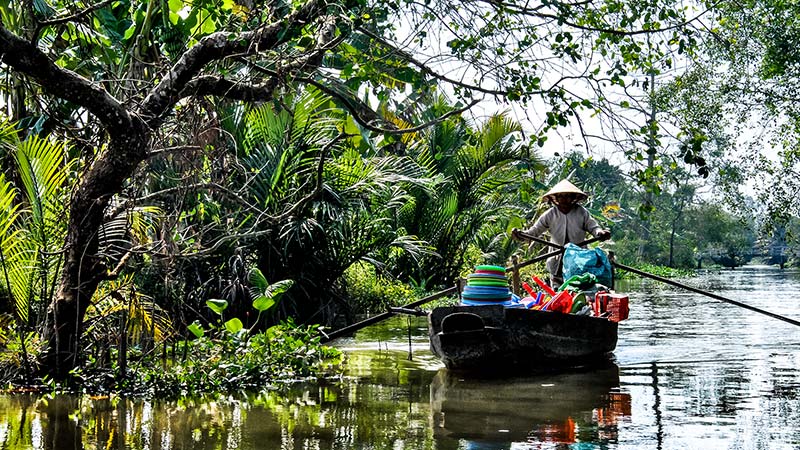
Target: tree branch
(357,107)
(73,17)
(29,60)
(218,46)
(536,12)
(220,87)
(430,72)
(214,186)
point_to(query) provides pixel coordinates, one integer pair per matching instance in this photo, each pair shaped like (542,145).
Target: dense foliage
(154,153)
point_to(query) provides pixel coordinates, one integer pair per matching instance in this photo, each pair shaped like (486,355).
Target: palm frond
(9,136)
(497,129)
(265,128)
(136,226)
(44,173)
(283,148)
(312,119)
(23,270)
(42,168)
(9,211)
(145,316)
(144,222)
(405,138)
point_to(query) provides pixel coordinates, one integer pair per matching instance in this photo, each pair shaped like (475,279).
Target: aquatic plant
(226,357)
(662,271)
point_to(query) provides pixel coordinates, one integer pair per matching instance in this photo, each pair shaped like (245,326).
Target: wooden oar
(383,316)
(547,255)
(702,292)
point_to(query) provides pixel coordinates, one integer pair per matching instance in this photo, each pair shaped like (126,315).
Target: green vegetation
(370,293)
(153,153)
(661,271)
(222,362)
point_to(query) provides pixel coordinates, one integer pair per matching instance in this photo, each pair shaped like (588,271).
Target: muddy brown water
(688,372)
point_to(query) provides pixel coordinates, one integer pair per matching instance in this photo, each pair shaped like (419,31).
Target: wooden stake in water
(408,322)
(122,357)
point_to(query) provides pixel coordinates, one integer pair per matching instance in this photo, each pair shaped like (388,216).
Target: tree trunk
(652,138)
(129,141)
(84,267)
(671,262)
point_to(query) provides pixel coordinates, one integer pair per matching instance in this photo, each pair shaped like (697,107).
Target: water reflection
(688,373)
(566,408)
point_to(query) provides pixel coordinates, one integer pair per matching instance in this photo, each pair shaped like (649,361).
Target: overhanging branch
(359,109)
(218,46)
(26,58)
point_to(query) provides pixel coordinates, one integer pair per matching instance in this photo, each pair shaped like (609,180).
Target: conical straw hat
(565,187)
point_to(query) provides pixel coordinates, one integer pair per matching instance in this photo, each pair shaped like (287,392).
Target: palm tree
(350,201)
(478,173)
(33,230)
(31,251)
(305,203)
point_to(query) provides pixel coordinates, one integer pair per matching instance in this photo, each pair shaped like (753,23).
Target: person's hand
(604,235)
(516,234)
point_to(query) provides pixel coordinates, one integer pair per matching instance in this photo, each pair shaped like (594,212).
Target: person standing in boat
(567,221)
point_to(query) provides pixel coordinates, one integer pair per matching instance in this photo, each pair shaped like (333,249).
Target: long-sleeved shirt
(573,225)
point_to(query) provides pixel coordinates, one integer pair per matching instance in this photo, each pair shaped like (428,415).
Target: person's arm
(540,226)
(591,225)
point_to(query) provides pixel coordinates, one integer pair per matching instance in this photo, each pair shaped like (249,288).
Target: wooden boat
(493,338)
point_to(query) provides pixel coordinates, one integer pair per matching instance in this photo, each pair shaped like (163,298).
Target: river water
(688,372)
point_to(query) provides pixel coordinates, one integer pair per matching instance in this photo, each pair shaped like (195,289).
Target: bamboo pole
(615,264)
(383,316)
(514,274)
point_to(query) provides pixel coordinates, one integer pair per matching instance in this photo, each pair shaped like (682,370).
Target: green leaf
(217,305)
(234,325)
(196,329)
(306,42)
(175,6)
(207,24)
(258,280)
(263,303)
(129,32)
(275,291)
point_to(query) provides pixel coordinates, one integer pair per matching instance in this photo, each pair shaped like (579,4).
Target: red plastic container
(562,303)
(616,304)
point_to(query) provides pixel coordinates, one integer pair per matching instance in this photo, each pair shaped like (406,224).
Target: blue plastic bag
(578,261)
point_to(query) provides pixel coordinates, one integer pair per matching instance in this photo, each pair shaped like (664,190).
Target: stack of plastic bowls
(488,285)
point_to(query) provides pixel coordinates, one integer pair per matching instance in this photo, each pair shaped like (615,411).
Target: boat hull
(492,338)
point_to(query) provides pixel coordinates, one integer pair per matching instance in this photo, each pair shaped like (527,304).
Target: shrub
(369,292)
